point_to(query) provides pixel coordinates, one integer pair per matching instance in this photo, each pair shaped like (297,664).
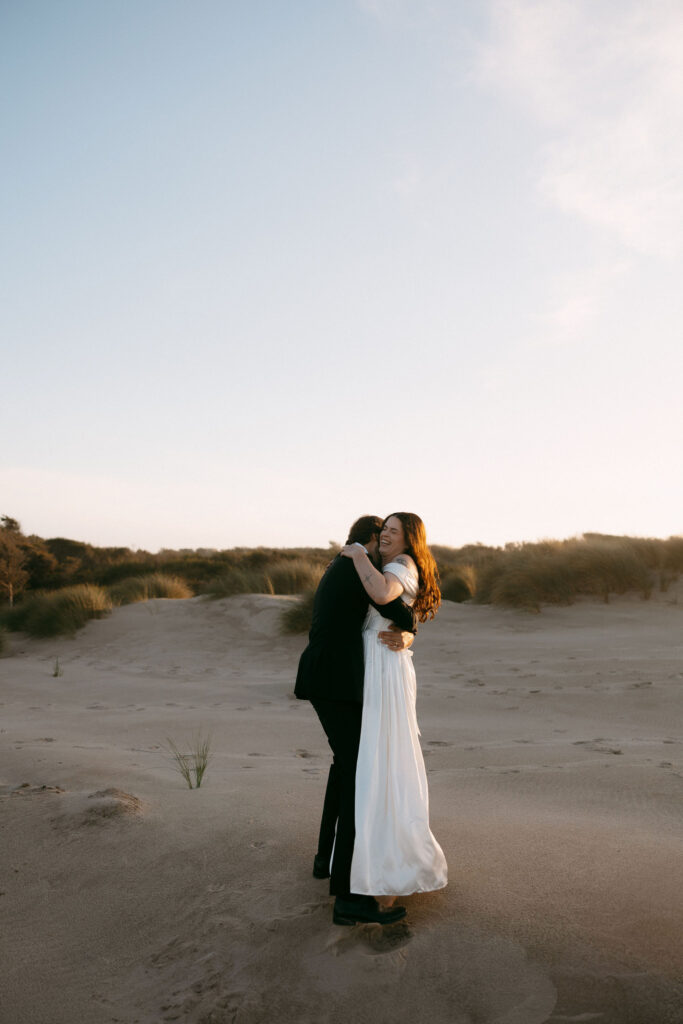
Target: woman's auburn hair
(428,595)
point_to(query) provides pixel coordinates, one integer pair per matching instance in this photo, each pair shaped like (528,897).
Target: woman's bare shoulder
(406,561)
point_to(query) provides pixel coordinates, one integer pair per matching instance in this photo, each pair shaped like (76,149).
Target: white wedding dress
(395,852)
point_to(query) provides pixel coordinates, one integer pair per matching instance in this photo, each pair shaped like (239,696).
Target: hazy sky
(268,265)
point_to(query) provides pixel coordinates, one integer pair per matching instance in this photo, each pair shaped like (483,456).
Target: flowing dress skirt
(395,852)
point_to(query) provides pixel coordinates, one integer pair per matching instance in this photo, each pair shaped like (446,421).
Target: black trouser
(341,721)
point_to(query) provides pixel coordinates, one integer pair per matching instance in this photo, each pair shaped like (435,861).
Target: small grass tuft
(192,765)
(297,617)
(57,670)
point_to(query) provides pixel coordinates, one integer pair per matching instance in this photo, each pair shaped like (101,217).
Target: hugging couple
(375,842)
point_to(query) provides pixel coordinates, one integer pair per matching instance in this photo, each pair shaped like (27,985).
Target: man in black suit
(330,675)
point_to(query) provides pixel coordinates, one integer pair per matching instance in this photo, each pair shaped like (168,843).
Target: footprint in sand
(371,940)
(26,788)
(598,746)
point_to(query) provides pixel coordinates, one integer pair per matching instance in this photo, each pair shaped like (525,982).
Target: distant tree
(13,576)
(9,524)
(41,564)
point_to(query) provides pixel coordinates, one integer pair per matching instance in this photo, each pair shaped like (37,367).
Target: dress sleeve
(407,577)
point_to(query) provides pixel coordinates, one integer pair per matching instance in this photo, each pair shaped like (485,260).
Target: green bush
(59,612)
(144,588)
(297,617)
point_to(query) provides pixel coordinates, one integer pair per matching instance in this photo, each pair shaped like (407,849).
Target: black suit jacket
(331,667)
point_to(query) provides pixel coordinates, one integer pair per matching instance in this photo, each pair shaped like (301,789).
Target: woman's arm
(381,589)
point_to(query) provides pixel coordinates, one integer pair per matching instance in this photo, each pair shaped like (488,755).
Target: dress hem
(412,892)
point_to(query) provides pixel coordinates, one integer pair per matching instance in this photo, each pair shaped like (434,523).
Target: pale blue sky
(270,265)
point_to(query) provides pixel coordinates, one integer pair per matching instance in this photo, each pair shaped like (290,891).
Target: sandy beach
(555,757)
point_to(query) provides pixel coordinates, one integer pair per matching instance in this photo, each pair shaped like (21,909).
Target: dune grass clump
(285,576)
(237,581)
(459,583)
(59,612)
(193,764)
(557,572)
(144,588)
(296,576)
(297,617)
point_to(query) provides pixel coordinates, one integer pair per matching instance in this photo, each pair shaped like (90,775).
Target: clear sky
(268,266)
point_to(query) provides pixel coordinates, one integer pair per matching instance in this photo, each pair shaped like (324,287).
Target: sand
(555,757)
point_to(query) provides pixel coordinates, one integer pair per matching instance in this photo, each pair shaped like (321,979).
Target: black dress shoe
(321,866)
(365,910)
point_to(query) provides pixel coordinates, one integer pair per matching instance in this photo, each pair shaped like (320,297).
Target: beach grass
(146,587)
(59,612)
(459,583)
(558,572)
(64,611)
(291,576)
(523,575)
(296,576)
(236,581)
(193,764)
(297,618)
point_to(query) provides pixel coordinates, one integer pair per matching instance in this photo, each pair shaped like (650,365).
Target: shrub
(144,588)
(236,581)
(458,584)
(297,617)
(286,576)
(62,611)
(293,577)
(556,572)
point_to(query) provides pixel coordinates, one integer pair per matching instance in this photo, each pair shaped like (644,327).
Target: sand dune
(555,760)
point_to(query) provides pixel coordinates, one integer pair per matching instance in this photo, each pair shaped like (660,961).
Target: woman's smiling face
(391,539)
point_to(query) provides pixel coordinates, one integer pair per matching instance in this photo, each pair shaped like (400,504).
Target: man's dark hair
(364,529)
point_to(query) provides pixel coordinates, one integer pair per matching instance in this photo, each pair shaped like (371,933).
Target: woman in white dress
(395,852)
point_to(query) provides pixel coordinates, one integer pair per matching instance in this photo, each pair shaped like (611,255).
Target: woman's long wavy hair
(429,595)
